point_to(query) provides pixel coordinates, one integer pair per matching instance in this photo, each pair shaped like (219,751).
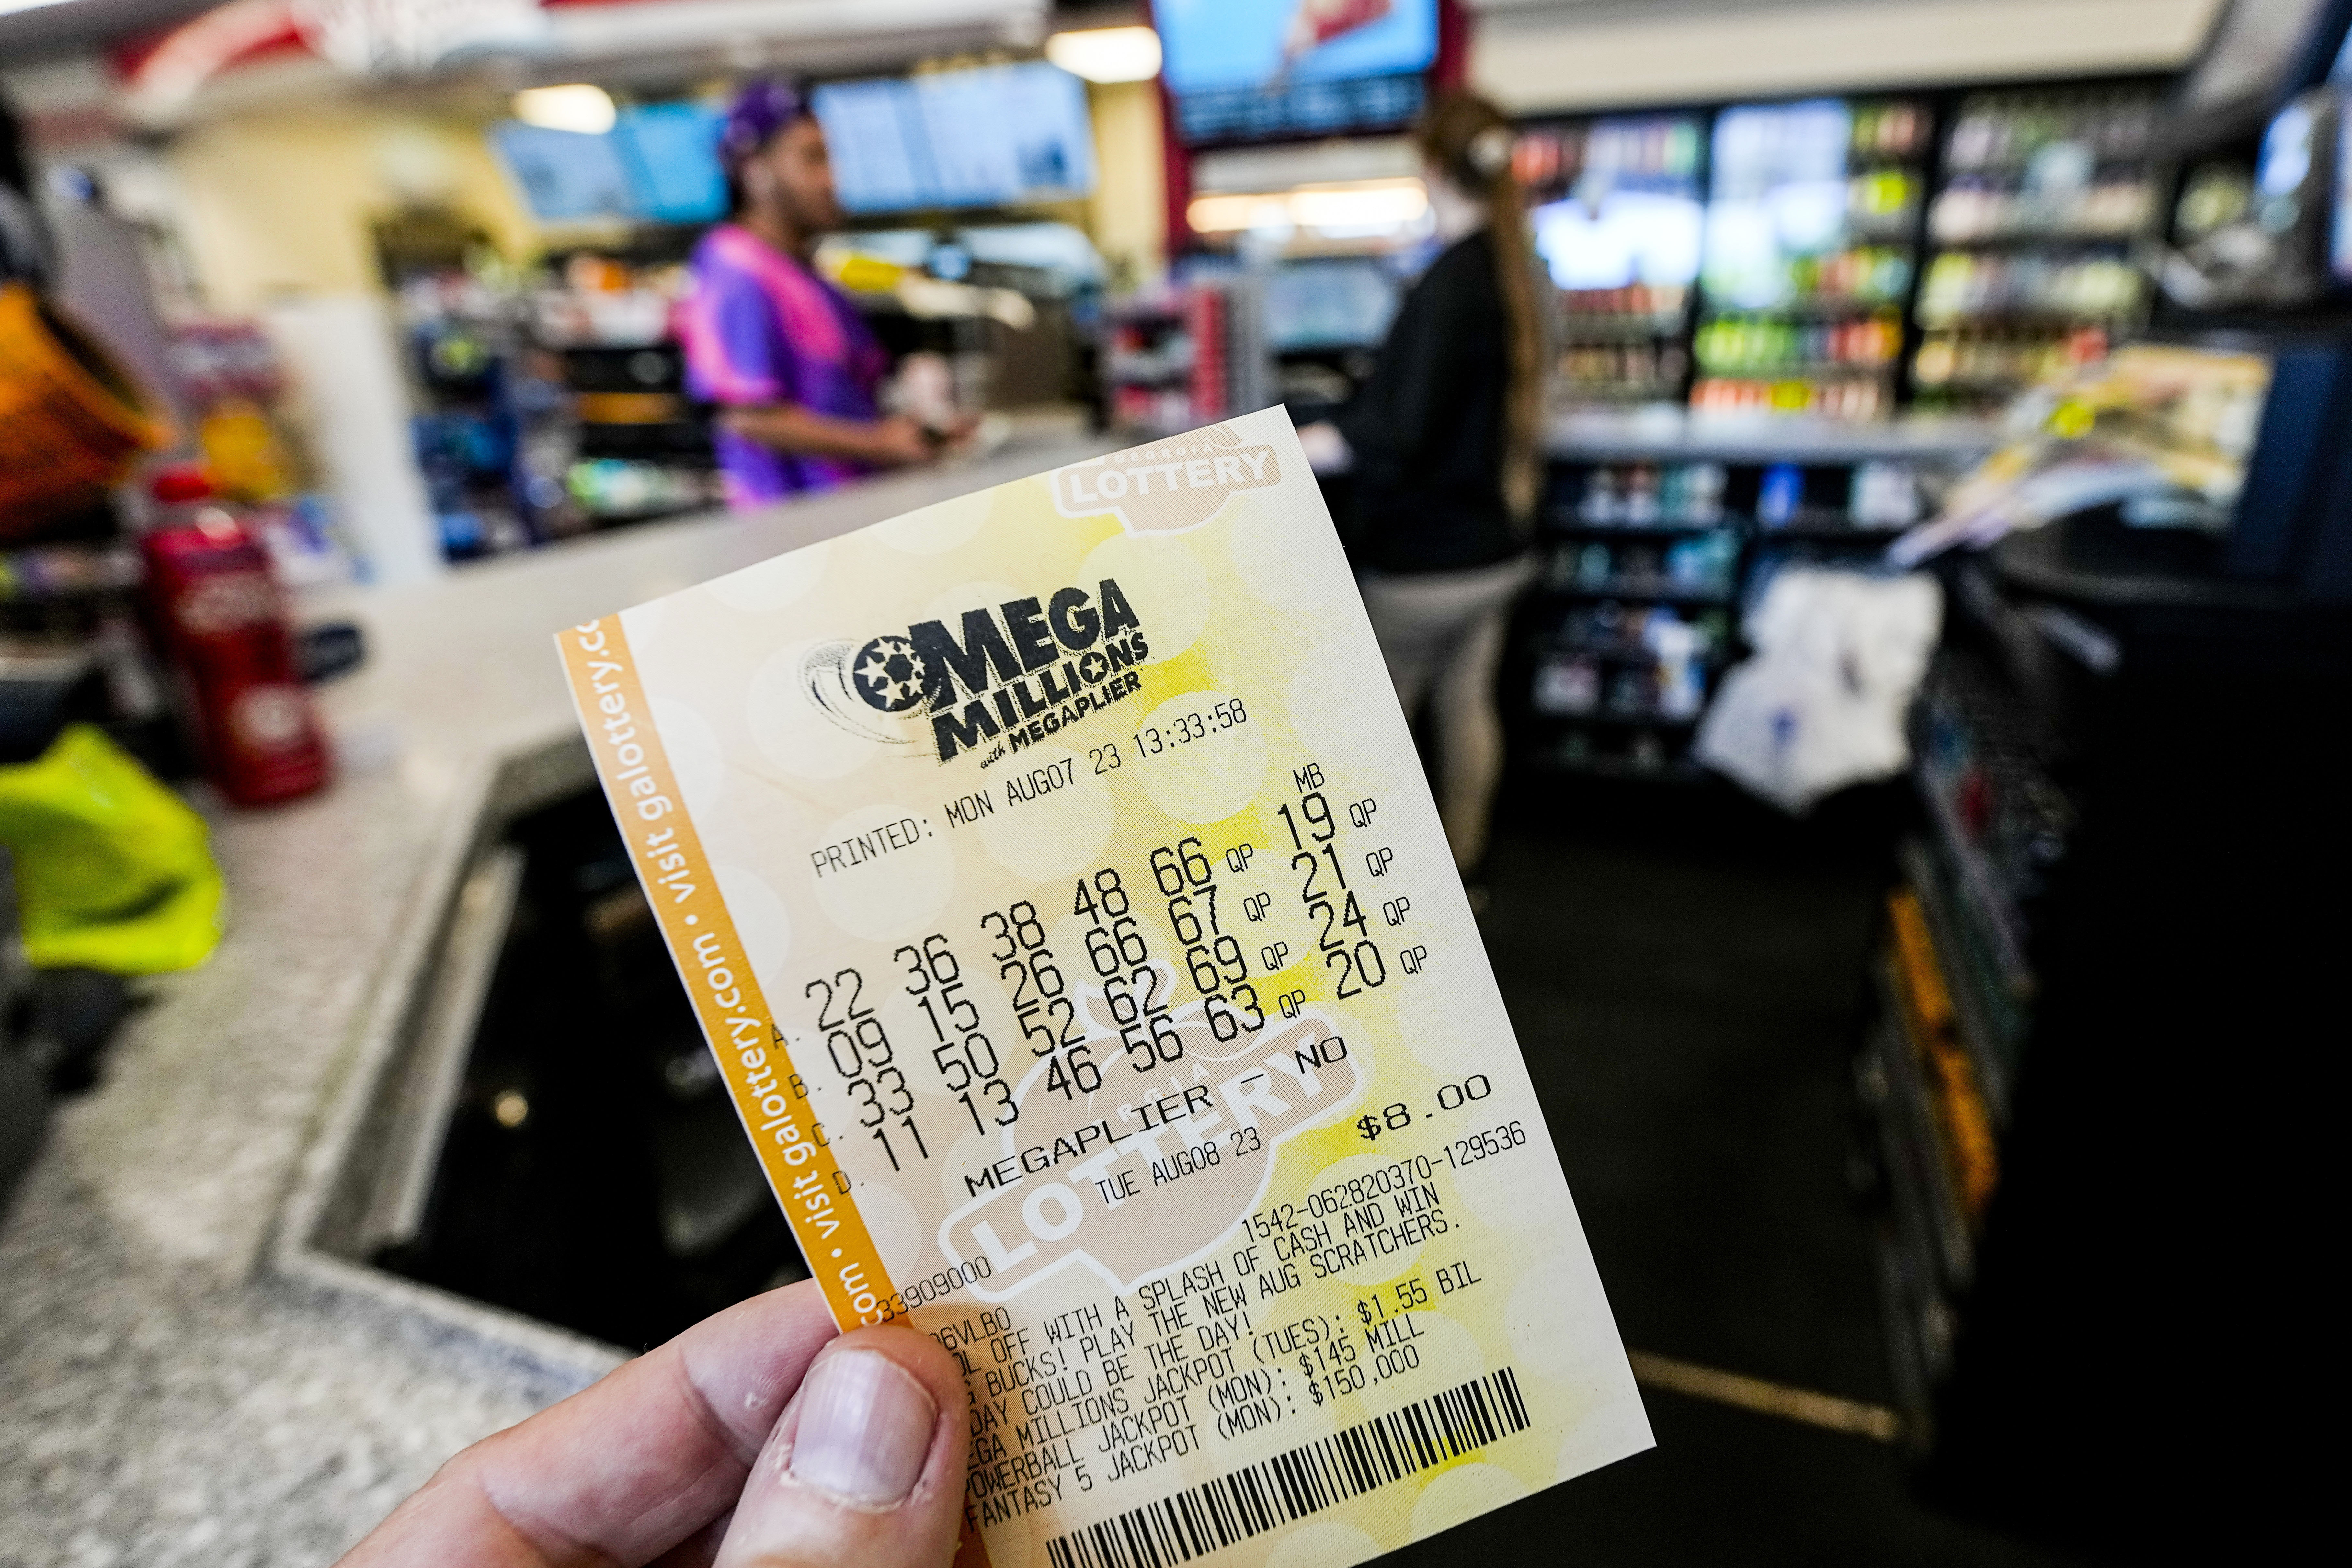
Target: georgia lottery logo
(1005,677)
(889,674)
(1171,485)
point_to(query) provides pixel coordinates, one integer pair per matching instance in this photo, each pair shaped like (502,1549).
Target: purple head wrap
(761,110)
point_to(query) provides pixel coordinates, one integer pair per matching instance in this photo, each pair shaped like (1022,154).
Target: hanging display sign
(392,37)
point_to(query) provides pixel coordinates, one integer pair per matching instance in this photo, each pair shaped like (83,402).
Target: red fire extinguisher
(222,620)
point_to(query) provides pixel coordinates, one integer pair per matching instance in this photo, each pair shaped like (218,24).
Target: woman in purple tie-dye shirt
(784,354)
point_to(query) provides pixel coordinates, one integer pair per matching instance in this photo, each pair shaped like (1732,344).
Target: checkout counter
(204,1359)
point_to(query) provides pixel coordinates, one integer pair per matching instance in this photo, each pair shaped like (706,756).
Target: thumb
(866,1466)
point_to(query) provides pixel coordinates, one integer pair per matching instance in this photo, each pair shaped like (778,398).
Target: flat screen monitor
(1212,46)
(1329,302)
(992,136)
(659,163)
(881,159)
(1245,70)
(566,176)
(670,152)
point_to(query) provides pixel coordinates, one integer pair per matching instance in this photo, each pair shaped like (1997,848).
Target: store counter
(1673,435)
(181,1379)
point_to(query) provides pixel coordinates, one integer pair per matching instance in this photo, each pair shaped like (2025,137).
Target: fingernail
(864,1427)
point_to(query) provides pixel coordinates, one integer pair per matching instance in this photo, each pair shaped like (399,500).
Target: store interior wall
(280,202)
(1127,216)
(274,202)
(1593,54)
(271,202)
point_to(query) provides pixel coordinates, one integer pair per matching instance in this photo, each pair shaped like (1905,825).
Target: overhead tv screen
(1249,70)
(1213,46)
(671,153)
(566,176)
(659,163)
(993,136)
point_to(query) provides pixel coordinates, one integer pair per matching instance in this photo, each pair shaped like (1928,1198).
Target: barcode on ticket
(1309,1479)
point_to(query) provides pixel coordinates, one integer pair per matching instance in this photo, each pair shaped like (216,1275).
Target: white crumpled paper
(1821,705)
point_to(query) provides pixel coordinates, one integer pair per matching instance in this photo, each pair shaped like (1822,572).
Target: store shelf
(1833,528)
(1971,1010)
(1574,527)
(1681,770)
(1675,434)
(1815,307)
(1919,1170)
(2133,164)
(1877,535)
(1665,393)
(1618,328)
(1995,916)
(1800,370)
(2039,318)
(1919,1317)
(2037,239)
(1620,652)
(1647,719)
(1978,386)
(1648,591)
(1919,1324)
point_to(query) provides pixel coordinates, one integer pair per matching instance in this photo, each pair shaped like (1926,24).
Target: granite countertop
(164,1397)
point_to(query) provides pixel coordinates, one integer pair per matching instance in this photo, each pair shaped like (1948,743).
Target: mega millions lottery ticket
(1058,888)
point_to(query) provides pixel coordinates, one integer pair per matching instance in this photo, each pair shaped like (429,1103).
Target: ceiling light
(1104,53)
(1229,214)
(1359,206)
(10,7)
(577,107)
(1370,203)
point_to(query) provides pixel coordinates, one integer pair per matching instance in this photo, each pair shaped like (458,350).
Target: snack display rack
(2044,194)
(1877,275)
(1957,985)
(1862,256)
(1812,252)
(1656,530)
(1186,355)
(2068,942)
(1616,206)
(550,406)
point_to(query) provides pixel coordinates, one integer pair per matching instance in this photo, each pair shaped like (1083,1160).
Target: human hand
(1327,450)
(900,440)
(754,1439)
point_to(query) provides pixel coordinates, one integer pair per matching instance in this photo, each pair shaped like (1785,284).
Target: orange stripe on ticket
(753,1055)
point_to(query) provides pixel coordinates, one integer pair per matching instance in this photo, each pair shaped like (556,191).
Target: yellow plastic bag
(113,871)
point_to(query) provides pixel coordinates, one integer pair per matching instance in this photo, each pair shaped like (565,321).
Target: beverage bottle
(221,619)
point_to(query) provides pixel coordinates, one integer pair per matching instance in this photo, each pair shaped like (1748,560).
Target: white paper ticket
(1058,887)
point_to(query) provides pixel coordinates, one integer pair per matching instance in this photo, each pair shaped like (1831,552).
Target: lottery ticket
(1058,888)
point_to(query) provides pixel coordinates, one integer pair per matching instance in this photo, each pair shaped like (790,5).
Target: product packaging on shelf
(221,617)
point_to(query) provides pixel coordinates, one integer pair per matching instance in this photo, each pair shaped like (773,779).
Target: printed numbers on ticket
(1058,887)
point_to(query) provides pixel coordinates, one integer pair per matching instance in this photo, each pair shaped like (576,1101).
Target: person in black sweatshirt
(1445,442)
